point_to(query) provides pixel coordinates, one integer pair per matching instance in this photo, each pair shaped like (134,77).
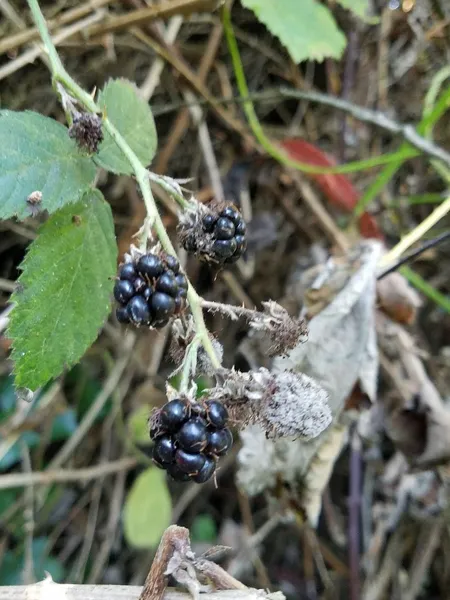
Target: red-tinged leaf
(337,187)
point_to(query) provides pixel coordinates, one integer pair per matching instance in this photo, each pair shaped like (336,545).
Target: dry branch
(48,590)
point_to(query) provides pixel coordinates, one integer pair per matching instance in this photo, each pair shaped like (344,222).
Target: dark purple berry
(219,441)
(147,292)
(164,449)
(162,306)
(230,212)
(224,248)
(172,263)
(161,323)
(241,227)
(188,462)
(181,281)
(139,284)
(208,223)
(122,315)
(177,474)
(192,435)
(167,284)
(206,472)
(179,304)
(241,243)
(224,229)
(173,414)
(123,291)
(150,265)
(216,413)
(138,310)
(156,432)
(127,271)
(158,462)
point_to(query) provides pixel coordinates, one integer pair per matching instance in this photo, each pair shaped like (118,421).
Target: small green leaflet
(359,7)
(305,27)
(64,291)
(36,154)
(133,118)
(148,509)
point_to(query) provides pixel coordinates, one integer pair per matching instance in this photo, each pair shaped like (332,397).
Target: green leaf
(359,7)
(13,455)
(63,425)
(148,509)
(138,425)
(305,27)
(12,566)
(64,291)
(36,154)
(203,529)
(132,116)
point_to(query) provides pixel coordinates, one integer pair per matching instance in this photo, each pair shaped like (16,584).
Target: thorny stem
(165,185)
(189,365)
(59,74)
(227,309)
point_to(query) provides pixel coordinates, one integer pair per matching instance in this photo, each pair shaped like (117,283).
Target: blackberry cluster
(218,236)
(189,439)
(150,290)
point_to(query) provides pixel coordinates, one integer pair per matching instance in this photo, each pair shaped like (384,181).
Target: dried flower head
(284,332)
(284,404)
(182,335)
(86,129)
(261,461)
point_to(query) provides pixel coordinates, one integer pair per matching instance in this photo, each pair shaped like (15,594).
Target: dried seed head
(86,129)
(284,332)
(182,336)
(284,404)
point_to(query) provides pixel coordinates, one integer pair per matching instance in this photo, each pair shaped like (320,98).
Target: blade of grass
(426,288)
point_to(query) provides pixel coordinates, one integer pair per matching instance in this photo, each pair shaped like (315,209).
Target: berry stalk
(60,75)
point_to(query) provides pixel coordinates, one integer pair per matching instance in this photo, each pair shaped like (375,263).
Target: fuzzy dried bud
(86,129)
(190,229)
(284,404)
(283,331)
(182,336)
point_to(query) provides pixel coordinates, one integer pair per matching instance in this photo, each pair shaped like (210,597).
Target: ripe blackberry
(150,289)
(215,233)
(189,437)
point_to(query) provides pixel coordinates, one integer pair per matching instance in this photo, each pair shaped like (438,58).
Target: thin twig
(416,234)
(412,255)
(15,480)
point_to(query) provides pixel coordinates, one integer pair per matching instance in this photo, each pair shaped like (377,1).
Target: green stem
(189,363)
(264,141)
(165,185)
(59,74)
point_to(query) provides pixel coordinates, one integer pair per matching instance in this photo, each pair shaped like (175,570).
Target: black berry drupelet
(189,438)
(215,233)
(150,290)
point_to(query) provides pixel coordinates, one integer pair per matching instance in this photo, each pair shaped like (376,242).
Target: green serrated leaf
(306,28)
(64,291)
(36,154)
(360,8)
(133,118)
(148,509)
(137,425)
